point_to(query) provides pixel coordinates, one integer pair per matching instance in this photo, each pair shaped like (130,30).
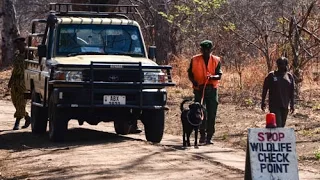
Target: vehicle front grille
(112,75)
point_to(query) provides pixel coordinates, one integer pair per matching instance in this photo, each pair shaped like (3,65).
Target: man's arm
(292,93)
(264,92)
(190,75)
(218,73)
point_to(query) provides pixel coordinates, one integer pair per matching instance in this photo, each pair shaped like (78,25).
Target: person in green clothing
(205,73)
(280,84)
(17,85)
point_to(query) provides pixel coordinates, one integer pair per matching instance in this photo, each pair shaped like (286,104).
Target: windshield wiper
(86,53)
(126,53)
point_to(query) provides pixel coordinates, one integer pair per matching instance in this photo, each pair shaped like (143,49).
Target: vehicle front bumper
(67,97)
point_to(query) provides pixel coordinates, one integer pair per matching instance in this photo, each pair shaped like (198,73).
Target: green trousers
(210,100)
(281,115)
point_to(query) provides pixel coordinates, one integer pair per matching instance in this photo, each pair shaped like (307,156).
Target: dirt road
(96,152)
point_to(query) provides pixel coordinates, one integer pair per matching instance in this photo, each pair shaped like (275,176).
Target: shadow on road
(19,141)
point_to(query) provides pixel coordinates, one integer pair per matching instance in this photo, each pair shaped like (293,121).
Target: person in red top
(280,85)
(205,73)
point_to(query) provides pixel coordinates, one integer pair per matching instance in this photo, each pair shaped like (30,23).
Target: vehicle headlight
(73,76)
(70,76)
(154,77)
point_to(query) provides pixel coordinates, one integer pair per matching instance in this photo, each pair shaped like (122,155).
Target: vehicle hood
(87,59)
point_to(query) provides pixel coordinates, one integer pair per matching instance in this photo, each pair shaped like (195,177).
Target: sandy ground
(95,152)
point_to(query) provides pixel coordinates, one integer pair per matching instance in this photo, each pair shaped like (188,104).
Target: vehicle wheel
(122,126)
(58,125)
(153,121)
(39,115)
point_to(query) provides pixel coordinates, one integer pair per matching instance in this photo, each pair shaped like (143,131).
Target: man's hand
(195,84)
(214,76)
(263,106)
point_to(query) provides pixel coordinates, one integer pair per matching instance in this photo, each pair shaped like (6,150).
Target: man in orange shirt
(205,73)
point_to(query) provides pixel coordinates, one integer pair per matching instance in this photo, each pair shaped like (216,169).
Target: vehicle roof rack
(89,10)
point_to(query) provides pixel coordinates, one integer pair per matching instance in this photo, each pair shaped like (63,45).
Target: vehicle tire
(58,125)
(153,121)
(39,115)
(122,126)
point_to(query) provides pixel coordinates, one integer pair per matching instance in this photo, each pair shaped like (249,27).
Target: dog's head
(196,112)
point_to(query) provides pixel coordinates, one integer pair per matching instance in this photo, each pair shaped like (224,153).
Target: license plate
(114,100)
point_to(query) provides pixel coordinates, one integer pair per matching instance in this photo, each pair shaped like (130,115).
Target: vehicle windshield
(99,39)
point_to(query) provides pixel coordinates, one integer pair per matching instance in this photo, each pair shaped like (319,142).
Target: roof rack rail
(102,10)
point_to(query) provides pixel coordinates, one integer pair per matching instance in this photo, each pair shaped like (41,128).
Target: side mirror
(42,51)
(152,53)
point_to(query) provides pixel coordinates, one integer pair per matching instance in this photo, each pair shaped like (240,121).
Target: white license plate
(114,100)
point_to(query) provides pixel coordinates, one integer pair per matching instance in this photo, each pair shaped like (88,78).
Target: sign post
(271,154)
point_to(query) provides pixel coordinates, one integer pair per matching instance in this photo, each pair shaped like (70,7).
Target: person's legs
(20,105)
(277,112)
(197,98)
(27,122)
(212,106)
(27,118)
(134,128)
(284,115)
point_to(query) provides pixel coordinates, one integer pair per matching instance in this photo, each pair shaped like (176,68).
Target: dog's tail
(183,102)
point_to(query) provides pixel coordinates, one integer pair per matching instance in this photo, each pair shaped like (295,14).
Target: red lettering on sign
(260,135)
(276,136)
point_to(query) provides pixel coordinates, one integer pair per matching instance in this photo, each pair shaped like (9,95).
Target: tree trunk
(297,72)
(268,60)
(9,31)
(162,37)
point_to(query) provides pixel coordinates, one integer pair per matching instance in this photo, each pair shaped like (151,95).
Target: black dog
(191,120)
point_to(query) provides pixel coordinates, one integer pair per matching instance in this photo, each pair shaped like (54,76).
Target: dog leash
(191,122)
(202,98)
(203,90)
(201,103)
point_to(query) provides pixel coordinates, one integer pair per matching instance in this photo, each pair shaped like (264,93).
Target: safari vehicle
(93,67)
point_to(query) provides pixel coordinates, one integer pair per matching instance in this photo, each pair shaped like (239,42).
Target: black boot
(27,122)
(202,137)
(134,128)
(16,124)
(208,141)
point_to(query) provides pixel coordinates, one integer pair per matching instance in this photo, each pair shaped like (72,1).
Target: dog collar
(191,122)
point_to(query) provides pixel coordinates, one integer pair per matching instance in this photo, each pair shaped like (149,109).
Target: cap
(19,38)
(206,44)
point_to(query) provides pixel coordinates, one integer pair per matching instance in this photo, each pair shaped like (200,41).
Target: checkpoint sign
(273,154)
